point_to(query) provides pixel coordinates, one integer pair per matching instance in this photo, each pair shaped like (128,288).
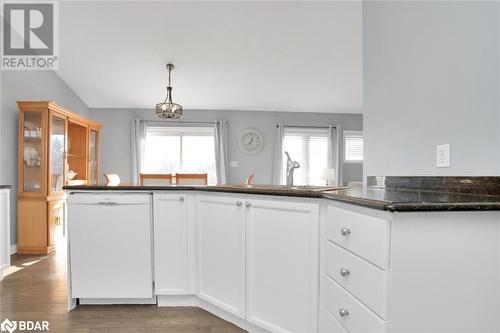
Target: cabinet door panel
(221,266)
(55,222)
(57,151)
(93,160)
(170,239)
(282,265)
(32,152)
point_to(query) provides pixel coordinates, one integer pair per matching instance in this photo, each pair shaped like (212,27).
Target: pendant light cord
(169,73)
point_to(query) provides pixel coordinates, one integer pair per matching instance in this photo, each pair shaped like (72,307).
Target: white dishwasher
(110,249)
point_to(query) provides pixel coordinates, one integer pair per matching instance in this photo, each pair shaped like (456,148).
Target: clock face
(250,141)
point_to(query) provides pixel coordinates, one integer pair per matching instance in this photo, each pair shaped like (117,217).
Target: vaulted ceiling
(267,56)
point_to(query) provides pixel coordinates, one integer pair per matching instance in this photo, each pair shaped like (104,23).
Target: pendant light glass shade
(168,109)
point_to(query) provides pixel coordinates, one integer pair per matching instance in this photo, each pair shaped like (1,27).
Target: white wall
(26,85)
(115,149)
(431,76)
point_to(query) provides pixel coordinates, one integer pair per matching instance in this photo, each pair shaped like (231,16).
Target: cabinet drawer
(328,324)
(359,317)
(365,281)
(365,235)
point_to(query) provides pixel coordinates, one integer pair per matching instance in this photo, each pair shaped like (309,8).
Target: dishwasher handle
(108,199)
(107,203)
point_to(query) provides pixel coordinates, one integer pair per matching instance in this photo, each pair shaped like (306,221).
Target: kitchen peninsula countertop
(401,200)
(394,194)
(279,190)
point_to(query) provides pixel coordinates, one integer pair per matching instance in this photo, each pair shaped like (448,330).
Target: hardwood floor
(35,289)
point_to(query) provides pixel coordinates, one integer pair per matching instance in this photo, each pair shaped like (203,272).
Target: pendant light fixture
(168,109)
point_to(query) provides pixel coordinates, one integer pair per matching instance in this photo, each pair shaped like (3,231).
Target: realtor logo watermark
(30,35)
(23,325)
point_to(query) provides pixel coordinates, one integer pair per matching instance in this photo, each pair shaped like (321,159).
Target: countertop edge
(340,197)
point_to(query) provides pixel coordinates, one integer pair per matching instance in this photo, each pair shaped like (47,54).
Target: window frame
(345,134)
(181,132)
(319,131)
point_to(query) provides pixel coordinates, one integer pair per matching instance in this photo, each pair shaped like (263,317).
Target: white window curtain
(220,134)
(335,151)
(139,127)
(277,175)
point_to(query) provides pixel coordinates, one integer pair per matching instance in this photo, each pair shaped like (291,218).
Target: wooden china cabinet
(56,147)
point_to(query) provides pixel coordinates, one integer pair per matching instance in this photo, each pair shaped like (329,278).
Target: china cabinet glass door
(93,157)
(32,150)
(57,151)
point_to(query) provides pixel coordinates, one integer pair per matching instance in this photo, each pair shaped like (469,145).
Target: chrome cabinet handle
(344,272)
(181,198)
(343,312)
(248,204)
(239,203)
(345,231)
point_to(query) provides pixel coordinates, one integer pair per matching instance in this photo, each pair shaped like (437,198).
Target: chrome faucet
(290,167)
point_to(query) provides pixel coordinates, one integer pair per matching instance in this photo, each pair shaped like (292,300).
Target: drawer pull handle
(345,231)
(343,313)
(239,203)
(181,198)
(248,204)
(344,272)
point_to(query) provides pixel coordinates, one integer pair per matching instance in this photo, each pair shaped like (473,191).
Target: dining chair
(112,179)
(155,179)
(191,179)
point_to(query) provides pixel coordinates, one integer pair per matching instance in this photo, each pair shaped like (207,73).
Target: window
(353,147)
(309,147)
(180,150)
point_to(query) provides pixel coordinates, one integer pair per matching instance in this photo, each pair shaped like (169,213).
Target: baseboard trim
(114,301)
(13,249)
(192,300)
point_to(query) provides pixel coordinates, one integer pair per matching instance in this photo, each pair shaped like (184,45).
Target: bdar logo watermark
(9,326)
(30,35)
(23,325)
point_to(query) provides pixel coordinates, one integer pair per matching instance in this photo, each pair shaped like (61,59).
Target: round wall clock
(251,141)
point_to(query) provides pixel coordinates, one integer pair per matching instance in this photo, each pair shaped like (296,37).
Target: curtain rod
(179,121)
(293,126)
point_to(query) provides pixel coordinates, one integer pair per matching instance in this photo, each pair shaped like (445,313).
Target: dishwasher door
(110,245)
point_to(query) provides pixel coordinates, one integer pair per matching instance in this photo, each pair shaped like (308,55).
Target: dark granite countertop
(393,194)
(5,186)
(297,191)
(401,200)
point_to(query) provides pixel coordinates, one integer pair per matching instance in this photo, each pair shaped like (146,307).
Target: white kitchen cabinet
(221,252)
(4,230)
(282,265)
(170,244)
(409,271)
(110,245)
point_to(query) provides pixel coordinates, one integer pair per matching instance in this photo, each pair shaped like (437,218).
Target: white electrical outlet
(443,156)
(234,164)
